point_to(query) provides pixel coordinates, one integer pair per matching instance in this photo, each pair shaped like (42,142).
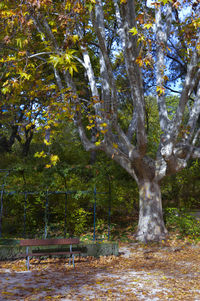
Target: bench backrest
(48,242)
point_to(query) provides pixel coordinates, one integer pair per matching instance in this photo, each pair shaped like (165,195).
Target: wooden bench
(49,242)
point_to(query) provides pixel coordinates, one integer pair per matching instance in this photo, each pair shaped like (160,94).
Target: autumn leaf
(115,145)
(139,61)
(48,166)
(89,127)
(160,90)
(165,77)
(104,131)
(40,154)
(166,1)
(7,293)
(47,142)
(54,159)
(140,18)
(148,25)
(134,31)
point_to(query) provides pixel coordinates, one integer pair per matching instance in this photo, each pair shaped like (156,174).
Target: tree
(91,36)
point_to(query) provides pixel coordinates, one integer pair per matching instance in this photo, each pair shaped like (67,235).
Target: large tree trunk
(151,224)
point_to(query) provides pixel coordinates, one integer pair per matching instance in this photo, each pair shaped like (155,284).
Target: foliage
(182,189)
(80,220)
(181,220)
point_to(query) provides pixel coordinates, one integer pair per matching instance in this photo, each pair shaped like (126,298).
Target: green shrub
(80,220)
(185,223)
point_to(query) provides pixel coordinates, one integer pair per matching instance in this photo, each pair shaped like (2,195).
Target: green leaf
(19,42)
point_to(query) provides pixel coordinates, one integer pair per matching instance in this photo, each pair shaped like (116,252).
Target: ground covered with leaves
(170,271)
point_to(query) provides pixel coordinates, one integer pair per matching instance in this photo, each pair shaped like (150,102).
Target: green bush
(80,220)
(185,223)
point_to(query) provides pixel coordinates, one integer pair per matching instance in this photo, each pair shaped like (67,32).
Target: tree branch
(131,52)
(188,86)
(161,39)
(99,28)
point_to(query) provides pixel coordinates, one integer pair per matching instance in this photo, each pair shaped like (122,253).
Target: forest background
(74,171)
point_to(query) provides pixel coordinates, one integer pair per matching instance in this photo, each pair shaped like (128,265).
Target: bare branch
(161,38)
(50,34)
(58,79)
(99,28)
(194,115)
(90,73)
(187,88)
(89,146)
(38,54)
(131,52)
(196,153)
(132,126)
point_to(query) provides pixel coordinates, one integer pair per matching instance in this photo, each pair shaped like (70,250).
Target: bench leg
(27,263)
(71,258)
(27,258)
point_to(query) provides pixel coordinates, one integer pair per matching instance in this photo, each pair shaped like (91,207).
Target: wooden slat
(49,253)
(48,242)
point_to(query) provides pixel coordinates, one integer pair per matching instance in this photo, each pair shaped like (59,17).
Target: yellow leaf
(40,154)
(54,159)
(47,142)
(28,114)
(89,127)
(104,131)
(147,62)
(160,90)
(133,31)
(198,48)
(75,38)
(115,145)
(47,165)
(8,293)
(98,143)
(148,25)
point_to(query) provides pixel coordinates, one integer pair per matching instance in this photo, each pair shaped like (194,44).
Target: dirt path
(137,274)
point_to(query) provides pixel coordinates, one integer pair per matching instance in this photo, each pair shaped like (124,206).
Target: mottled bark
(151,225)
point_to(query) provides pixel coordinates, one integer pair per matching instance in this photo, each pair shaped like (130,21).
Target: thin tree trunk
(151,224)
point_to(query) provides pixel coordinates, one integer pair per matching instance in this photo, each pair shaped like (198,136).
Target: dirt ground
(158,272)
